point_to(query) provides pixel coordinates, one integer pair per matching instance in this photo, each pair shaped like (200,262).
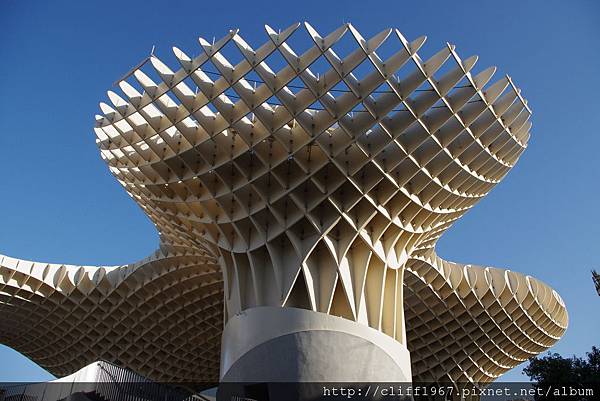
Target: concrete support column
(271,344)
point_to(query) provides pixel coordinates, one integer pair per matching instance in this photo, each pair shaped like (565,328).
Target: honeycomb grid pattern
(167,307)
(326,183)
(474,323)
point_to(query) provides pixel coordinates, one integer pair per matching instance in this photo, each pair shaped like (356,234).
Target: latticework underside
(322,184)
(161,317)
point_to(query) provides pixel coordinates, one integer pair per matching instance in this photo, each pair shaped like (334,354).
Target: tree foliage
(562,375)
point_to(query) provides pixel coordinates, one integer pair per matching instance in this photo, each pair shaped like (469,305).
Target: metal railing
(100,381)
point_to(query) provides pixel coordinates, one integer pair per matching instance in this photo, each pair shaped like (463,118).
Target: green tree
(566,375)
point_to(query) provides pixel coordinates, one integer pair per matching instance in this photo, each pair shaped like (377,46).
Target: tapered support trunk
(306,346)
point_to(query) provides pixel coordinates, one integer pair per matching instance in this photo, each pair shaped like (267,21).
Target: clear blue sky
(60,204)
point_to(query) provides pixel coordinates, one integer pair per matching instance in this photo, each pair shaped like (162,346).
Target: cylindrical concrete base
(269,344)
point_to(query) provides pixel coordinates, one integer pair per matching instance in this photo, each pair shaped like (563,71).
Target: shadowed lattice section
(161,317)
(322,179)
(471,324)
